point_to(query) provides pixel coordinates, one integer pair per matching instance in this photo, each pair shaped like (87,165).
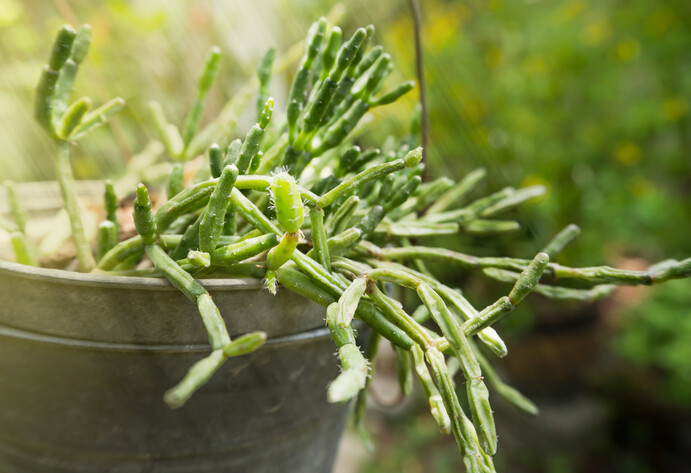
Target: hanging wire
(420,71)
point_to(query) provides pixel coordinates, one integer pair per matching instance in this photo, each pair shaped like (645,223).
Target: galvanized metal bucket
(85,360)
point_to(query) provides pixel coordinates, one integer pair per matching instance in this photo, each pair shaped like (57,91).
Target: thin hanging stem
(420,71)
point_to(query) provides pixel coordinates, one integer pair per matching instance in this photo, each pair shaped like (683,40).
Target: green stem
(458,191)
(24,250)
(197,376)
(355,369)
(319,240)
(69,197)
(436,403)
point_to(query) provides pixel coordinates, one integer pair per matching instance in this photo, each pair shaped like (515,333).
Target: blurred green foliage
(591,98)
(412,445)
(657,336)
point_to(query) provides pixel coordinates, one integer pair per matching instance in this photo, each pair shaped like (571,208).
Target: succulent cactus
(312,213)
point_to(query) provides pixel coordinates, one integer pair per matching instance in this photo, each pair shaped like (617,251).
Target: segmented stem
(69,198)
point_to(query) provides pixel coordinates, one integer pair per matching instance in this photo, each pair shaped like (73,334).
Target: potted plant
(93,361)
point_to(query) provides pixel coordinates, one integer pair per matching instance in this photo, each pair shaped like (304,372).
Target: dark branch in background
(417,21)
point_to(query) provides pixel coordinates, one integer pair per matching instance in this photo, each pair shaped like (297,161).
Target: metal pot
(85,360)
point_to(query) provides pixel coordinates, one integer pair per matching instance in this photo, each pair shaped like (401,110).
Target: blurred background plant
(590,98)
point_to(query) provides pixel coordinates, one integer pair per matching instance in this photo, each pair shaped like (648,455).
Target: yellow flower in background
(534,65)
(675,108)
(596,33)
(628,153)
(628,50)
(444,24)
(572,10)
(441,31)
(640,186)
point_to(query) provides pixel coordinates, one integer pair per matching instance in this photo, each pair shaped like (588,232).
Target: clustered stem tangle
(302,207)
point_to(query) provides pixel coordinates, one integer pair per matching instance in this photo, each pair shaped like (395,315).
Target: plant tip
(413,157)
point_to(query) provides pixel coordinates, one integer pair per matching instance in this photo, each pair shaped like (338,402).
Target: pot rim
(62,276)
(93,345)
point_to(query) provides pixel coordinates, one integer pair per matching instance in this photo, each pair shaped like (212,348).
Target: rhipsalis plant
(308,211)
(68,123)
